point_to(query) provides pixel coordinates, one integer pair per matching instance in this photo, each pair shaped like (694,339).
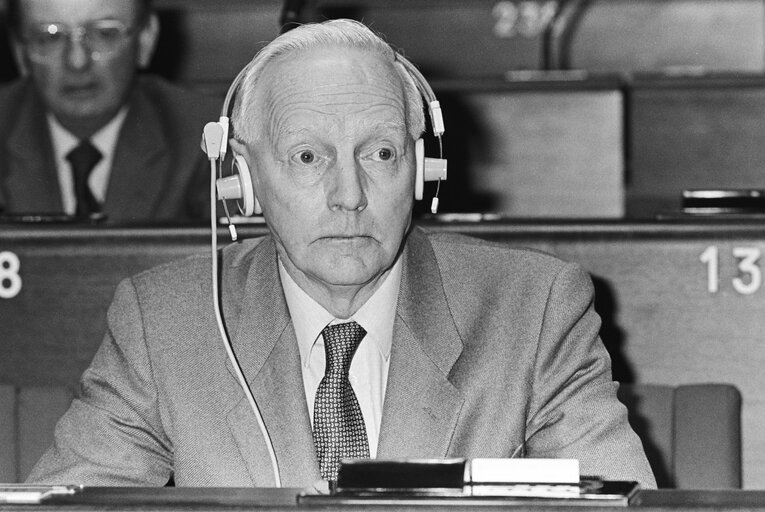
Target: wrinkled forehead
(327,82)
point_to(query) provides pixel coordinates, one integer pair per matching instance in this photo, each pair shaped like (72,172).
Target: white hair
(340,32)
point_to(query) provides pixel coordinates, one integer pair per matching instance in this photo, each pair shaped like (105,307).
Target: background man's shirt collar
(105,140)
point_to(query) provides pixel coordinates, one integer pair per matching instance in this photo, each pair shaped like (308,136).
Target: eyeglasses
(103,38)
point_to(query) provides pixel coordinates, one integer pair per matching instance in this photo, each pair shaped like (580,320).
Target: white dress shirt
(105,140)
(369,367)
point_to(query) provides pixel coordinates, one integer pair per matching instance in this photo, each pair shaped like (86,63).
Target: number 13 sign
(749,276)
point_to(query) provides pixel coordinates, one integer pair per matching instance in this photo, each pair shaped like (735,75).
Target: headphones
(238,185)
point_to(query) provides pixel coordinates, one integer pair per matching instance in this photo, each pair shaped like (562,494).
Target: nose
(346,190)
(77,55)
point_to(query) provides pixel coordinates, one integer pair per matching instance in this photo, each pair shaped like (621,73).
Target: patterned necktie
(338,426)
(83,159)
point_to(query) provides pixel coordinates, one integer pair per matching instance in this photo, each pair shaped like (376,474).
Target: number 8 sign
(10,280)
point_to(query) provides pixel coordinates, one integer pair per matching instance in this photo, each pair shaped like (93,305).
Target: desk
(681,301)
(197,499)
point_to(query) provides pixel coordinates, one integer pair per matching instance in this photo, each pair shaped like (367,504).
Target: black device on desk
(450,481)
(723,201)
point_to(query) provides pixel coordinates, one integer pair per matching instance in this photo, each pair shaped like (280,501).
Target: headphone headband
(434,107)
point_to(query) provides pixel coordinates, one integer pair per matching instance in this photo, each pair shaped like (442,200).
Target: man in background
(82,133)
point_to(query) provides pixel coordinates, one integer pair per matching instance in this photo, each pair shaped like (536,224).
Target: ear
(20,56)
(239,148)
(147,41)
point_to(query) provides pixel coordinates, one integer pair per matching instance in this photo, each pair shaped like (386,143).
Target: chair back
(691,433)
(28,416)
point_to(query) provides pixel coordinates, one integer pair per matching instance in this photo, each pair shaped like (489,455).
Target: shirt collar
(105,139)
(376,315)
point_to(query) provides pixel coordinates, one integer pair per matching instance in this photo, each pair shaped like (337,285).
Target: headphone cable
(224,335)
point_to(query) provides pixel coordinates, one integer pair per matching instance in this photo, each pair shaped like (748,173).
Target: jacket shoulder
(178,274)
(11,92)
(175,103)
(11,98)
(497,276)
(475,255)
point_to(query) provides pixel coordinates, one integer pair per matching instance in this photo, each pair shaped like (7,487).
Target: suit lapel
(421,404)
(31,161)
(141,162)
(265,345)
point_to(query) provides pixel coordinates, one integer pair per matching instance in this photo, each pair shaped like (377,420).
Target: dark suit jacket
(159,171)
(495,354)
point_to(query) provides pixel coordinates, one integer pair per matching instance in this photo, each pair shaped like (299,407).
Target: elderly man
(82,134)
(462,348)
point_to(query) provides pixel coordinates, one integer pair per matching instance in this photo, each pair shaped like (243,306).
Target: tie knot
(340,343)
(83,158)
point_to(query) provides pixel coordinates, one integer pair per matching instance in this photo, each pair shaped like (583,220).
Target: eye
(384,154)
(307,157)
(105,34)
(46,38)
(310,159)
(47,35)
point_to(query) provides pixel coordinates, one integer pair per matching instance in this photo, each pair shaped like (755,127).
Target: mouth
(80,90)
(346,239)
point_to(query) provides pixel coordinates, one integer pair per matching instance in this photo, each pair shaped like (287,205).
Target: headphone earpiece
(427,169)
(238,186)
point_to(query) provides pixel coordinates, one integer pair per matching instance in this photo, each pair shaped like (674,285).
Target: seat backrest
(675,36)
(28,416)
(691,433)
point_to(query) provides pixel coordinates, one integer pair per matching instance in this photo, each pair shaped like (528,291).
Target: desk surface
(471,224)
(217,499)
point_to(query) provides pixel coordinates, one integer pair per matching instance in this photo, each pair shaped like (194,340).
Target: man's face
(334,170)
(76,88)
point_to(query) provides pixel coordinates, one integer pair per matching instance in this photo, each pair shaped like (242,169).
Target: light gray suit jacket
(495,354)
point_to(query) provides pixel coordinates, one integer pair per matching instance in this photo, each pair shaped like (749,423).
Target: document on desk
(32,493)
